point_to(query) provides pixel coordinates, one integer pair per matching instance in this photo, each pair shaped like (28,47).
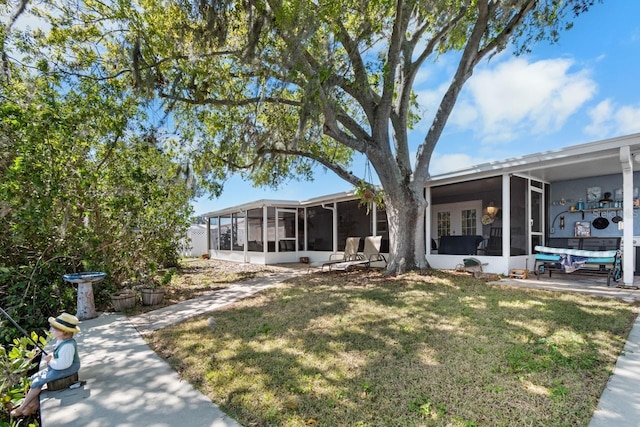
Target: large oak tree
(271,88)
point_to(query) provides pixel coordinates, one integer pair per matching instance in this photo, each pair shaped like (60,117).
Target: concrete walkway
(579,284)
(619,404)
(127,384)
(163,317)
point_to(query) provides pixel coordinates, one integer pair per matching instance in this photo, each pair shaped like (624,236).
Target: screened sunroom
(277,231)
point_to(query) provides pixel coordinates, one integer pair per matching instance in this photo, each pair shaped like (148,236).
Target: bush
(84,186)
(16,360)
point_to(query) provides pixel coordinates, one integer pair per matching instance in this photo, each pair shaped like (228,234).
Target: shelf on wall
(601,210)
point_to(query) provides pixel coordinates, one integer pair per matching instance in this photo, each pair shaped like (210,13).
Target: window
(287,237)
(382,228)
(225,233)
(519,222)
(238,231)
(214,236)
(469,221)
(353,221)
(271,229)
(457,219)
(254,230)
(319,229)
(443,224)
(461,209)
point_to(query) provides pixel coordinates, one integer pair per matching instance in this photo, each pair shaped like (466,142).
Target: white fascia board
(563,156)
(329,198)
(592,151)
(252,205)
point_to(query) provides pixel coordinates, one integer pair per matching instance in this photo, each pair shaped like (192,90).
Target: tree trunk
(405,214)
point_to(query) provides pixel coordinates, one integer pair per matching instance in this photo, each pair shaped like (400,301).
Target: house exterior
(281,231)
(496,212)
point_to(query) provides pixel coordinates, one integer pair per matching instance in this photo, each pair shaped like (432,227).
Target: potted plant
(123,300)
(369,195)
(152,296)
(153,289)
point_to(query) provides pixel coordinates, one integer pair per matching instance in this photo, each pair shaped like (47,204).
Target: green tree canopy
(269,89)
(83,187)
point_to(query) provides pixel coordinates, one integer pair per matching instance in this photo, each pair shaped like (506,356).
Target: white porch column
(335,227)
(209,235)
(506,217)
(427,221)
(245,240)
(374,219)
(265,231)
(627,207)
(305,246)
(275,231)
(334,232)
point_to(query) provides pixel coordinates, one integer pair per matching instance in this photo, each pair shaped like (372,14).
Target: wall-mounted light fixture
(492,210)
(562,222)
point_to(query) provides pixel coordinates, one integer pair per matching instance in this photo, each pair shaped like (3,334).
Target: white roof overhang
(578,161)
(329,198)
(252,205)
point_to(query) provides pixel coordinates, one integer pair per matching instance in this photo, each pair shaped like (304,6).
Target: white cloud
(428,101)
(608,119)
(600,116)
(443,163)
(521,97)
(465,114)
(627,120)
(423,75)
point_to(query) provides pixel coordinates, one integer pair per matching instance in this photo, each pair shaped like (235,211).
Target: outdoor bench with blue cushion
(580,256)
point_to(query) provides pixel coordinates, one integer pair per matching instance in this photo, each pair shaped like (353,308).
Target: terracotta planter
(152,296)
(123,301)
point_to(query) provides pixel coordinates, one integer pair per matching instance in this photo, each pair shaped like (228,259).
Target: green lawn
(441,350)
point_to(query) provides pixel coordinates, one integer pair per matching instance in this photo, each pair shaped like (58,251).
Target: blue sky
(582,89)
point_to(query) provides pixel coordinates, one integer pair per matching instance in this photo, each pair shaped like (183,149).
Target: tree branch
(337,169)
(361,89)
(229,102)
(470,57)
(504,35)
(17,11)
(393,58)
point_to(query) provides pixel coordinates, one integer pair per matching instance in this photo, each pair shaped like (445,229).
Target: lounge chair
(371,253)
(350,253)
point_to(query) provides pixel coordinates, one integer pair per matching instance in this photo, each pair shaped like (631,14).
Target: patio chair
(370,253)
(350,253)
(494,244)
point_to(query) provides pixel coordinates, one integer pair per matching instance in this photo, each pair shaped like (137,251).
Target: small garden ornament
(61,363)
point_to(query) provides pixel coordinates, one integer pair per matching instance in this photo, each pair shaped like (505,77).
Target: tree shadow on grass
(405,351)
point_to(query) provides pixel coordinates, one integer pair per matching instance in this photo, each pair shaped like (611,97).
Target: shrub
(16,360)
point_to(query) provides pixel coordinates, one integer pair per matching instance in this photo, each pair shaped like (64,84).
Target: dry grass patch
(440,350)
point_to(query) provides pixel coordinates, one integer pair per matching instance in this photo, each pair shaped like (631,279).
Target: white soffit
(578,161)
